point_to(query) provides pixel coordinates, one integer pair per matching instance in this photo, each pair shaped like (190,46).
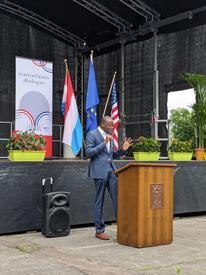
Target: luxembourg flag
(72,126)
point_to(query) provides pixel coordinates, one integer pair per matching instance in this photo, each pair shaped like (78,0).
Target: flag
(92,99)
(73,134)
(115,116)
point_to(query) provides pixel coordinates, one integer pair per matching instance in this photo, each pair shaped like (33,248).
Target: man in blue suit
(99,148)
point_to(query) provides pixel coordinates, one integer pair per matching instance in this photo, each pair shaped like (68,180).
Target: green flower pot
(180,156)
(146,156)
(17,155)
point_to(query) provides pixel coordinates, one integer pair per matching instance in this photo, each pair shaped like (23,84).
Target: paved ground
(80,253)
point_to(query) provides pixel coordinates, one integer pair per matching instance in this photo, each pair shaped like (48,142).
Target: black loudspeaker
(55,214)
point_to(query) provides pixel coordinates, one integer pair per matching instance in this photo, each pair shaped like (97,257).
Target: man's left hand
(127,143)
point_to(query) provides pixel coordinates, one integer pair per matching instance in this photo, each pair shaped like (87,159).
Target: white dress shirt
(103,133)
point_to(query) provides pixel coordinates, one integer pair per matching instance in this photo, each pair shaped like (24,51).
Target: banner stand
(33,106)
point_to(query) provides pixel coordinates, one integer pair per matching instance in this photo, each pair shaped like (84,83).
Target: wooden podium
(145,204)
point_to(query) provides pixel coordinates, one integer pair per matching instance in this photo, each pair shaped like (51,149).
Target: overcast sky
(180,99)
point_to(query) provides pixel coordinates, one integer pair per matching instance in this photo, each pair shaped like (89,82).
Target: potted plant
(180,150)
(26,146)
(181,123)
(198,83)
(146,149)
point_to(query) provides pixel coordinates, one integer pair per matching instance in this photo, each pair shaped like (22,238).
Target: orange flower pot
(199,154)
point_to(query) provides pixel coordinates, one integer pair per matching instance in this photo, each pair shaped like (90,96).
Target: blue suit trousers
(109,183)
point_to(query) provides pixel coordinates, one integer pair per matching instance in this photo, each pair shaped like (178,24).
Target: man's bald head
(106,119)
(107,124)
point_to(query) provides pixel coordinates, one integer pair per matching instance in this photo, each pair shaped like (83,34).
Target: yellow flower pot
(17,155)
(146,156)
(180,156)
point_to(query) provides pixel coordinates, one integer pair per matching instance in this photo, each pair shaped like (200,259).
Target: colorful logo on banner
(45,66)
(34,98)
(34,114)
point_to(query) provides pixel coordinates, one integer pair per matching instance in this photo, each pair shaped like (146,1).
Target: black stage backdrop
(20,39)
(179,52)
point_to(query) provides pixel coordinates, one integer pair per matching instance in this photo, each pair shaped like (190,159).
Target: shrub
(181,146)
(146,145)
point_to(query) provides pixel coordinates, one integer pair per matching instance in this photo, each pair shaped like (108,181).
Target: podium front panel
(145,205)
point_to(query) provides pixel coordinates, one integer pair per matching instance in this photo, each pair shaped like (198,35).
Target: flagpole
(91,55)
(110,89)
(66,65)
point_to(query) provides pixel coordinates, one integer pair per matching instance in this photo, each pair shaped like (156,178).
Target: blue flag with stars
(92,99)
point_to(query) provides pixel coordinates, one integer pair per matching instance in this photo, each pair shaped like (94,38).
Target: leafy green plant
(182,124)
(25,141)
(198,83)
(146,145)
(181,146)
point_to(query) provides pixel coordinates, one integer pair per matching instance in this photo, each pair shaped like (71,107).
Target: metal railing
(165,139)
(5,138)
(146,121)
(59,134)
(60,131)
(158,121)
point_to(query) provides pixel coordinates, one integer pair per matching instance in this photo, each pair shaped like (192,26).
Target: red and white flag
(115,116)
(73,134)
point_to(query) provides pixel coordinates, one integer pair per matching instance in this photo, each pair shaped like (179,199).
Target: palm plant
(198,83)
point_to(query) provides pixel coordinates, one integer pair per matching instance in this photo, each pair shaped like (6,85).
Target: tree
(182,124)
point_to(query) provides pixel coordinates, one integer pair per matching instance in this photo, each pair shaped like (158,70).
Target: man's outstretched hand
(127,143)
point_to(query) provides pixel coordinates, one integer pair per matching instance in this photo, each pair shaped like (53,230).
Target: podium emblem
(156,194)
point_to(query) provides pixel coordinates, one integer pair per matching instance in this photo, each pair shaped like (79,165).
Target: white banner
(34,91)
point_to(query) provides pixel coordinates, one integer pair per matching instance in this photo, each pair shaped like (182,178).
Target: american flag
(115,116)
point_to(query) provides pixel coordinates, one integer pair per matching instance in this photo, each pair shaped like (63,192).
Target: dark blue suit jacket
(101,161)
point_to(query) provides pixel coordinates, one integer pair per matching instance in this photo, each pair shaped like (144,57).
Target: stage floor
(21,191)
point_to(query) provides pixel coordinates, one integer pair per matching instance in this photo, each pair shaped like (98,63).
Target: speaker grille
(59,221)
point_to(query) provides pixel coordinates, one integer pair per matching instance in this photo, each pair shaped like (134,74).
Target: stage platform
(21,191)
